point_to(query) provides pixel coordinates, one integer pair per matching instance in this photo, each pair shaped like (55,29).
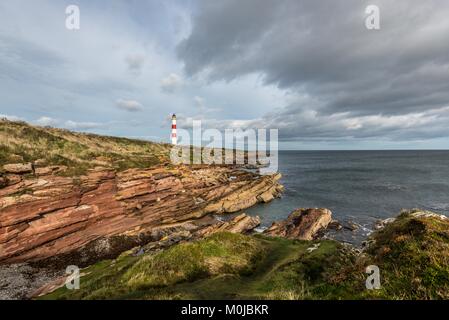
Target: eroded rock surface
(25,280)
(301,224)
(18,168)
(48,215)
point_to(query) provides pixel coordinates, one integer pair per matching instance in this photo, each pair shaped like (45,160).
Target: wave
(440,206)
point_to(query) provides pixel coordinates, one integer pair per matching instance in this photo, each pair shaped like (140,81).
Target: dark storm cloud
(365,83)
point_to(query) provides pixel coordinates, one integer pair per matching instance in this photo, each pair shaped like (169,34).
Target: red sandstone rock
(301,224)
(240,224)
(18,168)
(47,215)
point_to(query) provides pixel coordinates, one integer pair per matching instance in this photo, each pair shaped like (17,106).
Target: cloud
(204,109)
(345,80)
(199,102)
(135,63)
(310,69)
(129,105)
(171,83)
(47,121)
(10,118)
(310,125)
(68,124)
(73,125)
(58,123)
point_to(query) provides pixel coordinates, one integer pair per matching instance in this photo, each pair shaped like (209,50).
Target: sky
(310,69)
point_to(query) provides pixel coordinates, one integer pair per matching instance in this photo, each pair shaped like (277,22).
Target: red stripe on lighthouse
(173,126)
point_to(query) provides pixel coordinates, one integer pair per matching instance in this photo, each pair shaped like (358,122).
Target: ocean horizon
(360,187)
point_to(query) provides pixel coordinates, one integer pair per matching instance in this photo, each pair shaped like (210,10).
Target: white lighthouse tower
(174,136)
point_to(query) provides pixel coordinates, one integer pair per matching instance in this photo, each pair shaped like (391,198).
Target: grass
(21,142)
(223,266)
(412,254)
(221,253)
(128,276)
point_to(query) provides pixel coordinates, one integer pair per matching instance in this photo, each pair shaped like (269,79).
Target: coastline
(281,267)
(123,219)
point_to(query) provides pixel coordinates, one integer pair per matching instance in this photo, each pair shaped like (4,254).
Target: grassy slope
(20,142)
(223,266)
(412,254)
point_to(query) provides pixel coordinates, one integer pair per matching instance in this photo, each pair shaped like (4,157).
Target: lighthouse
(174,137)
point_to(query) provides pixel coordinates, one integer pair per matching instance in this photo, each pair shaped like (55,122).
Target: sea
(359,187)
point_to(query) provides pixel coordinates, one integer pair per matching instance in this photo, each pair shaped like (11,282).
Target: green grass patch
(223,266)
(20,142)
(412,254)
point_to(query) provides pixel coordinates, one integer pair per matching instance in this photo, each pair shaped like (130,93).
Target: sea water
(360,187)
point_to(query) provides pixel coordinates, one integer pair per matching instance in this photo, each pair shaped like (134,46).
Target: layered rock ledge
(43,215)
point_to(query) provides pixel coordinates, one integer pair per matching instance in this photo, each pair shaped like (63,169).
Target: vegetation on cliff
(223,266)
(21,142)
(411,252)
(413,255)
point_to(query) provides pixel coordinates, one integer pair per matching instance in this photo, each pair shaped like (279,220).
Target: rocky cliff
(44,215)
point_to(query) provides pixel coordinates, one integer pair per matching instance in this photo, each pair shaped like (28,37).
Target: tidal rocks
(351,226)
(266,197)
(302,224)
(47,215)
(335,225)
(199,229)
(240,224)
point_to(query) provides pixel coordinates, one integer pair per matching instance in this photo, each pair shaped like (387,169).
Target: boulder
(302,224)
(18,168)
(266,197)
